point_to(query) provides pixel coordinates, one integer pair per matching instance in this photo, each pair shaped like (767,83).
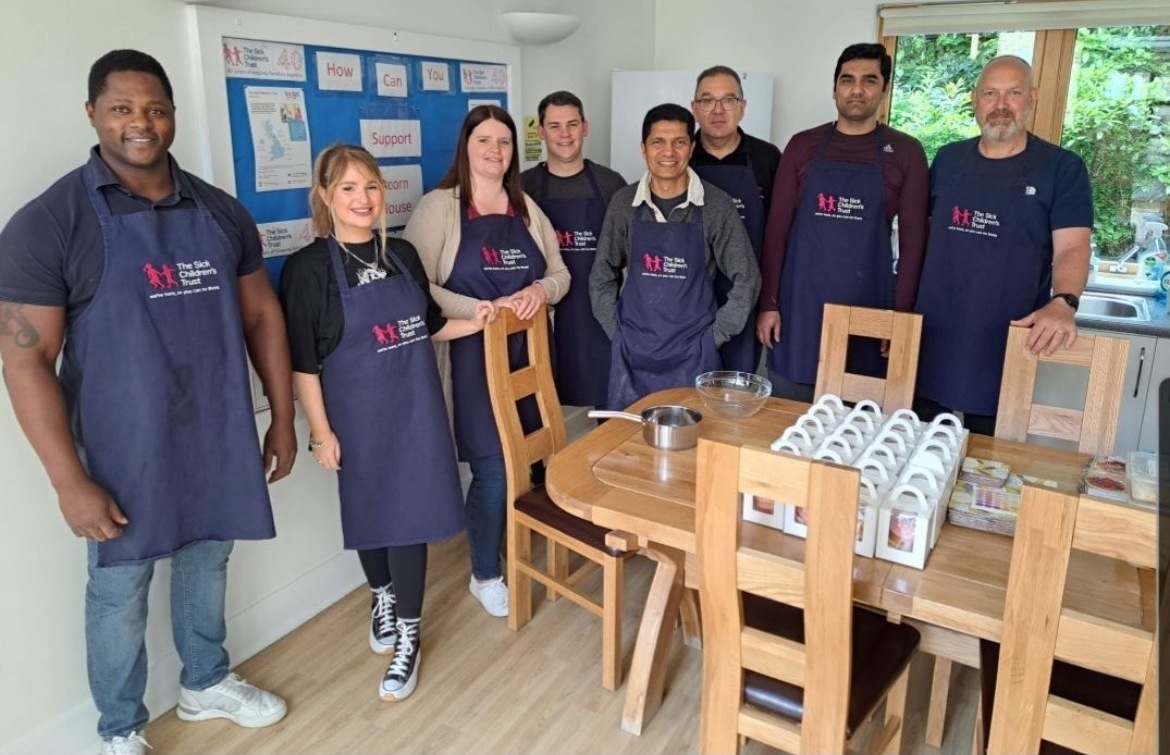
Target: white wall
(274,585)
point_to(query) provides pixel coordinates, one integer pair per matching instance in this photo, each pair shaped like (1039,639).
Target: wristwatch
(1072,300)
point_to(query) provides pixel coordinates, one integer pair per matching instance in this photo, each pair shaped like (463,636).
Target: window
(1104,91)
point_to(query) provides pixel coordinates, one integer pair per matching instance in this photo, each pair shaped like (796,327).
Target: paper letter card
(483,77)
(285,236)
(404,188)
(251,59)
(338,71)
(391,80)
(392,138)
(435,77)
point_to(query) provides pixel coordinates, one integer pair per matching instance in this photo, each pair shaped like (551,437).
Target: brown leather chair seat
(881,652)
(536,504)
(1115,696)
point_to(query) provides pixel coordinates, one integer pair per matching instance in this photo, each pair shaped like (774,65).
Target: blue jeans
(487,500)
(115,630)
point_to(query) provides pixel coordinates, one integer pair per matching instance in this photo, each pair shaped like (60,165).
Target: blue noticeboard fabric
(334,116)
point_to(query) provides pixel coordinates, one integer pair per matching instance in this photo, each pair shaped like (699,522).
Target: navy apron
(581,349)
(496,257)
(742,352)
(165,404)
(664,336)
(989,261)
(399,483)
(839,252)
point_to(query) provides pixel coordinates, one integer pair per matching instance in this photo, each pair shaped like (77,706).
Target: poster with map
(279,121)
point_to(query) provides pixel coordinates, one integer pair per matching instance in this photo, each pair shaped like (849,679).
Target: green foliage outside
(1118,116)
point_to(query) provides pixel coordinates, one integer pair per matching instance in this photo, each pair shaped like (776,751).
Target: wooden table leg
(692,625)
(940,690)
(648,669)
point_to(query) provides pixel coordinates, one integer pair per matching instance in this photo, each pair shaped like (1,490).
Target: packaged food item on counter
(990,509)
(1114,465)
(1143,476)
(1113,487)
(985,472)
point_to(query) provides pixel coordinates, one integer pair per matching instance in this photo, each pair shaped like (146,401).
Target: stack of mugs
(908,469)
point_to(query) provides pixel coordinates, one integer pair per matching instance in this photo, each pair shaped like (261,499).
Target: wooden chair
(531,510)
(1085,683)
(798,680)
(904,332)
(1093,428)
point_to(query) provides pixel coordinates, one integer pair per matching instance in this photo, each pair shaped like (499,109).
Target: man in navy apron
(153,281)
(1009,245)
(744,167)
(838,190)
(574,193)
(670,233)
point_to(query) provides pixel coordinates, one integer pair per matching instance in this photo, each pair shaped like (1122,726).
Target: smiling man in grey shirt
(668,235)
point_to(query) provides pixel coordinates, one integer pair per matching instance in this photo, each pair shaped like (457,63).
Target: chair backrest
(1092,428)
(1036,629)
(904,332)
(508,386)
(731,561)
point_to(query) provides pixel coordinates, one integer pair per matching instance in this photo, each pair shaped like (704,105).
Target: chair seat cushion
(1109,694)
(881,650)
(537,504)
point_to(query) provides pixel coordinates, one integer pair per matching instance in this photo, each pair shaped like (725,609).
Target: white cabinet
(1058,385)
(1159,371)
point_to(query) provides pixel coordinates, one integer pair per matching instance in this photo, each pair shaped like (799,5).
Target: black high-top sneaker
(383,620)
(402,676)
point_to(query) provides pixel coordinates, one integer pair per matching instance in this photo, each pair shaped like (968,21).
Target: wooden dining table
(613,478)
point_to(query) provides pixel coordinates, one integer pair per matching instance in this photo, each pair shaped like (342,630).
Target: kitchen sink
(1100,306)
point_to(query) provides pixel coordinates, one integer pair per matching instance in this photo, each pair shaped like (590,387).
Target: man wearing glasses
(838,190)
(744,167)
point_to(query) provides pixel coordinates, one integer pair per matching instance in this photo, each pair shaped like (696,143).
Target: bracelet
(315,444)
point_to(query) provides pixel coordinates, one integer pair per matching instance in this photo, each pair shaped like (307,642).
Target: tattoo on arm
(16,326)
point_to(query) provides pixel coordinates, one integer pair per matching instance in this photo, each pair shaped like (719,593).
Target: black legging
(406,567)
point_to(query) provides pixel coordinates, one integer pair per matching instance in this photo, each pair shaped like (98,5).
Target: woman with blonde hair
(481,237)
(360,325)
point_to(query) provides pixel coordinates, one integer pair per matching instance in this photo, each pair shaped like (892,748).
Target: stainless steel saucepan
(668,428)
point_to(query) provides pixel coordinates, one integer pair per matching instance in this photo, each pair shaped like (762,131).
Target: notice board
(277,90)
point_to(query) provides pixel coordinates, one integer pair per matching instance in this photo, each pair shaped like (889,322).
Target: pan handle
(606,414)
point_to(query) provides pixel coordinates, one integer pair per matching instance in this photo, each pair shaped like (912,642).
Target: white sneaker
(234,699)
(131,744)
(492,595)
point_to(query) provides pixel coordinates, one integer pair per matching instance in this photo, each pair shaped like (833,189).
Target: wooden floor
(484,689)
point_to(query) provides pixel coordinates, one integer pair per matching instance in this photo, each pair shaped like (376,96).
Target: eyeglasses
(707,104)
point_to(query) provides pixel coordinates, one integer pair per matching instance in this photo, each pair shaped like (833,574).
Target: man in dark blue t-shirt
(1009,245)
(152,282)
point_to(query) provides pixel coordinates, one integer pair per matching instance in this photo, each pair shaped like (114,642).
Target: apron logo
(977,222)
(393,335)
(576,240)
(386,335)
(503,259)
(662,266)
(160,278)
(186,277)
(565,239)
(839,208)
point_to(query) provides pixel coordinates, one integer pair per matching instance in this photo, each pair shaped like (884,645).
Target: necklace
(373,270)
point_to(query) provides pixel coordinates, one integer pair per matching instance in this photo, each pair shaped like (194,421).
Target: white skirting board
(259,625)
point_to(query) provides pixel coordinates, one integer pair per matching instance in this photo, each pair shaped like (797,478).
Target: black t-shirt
(572,187)
(762,156)
(312,302)
(666,205)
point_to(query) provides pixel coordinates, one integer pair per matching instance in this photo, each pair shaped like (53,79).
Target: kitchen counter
(1158,325)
